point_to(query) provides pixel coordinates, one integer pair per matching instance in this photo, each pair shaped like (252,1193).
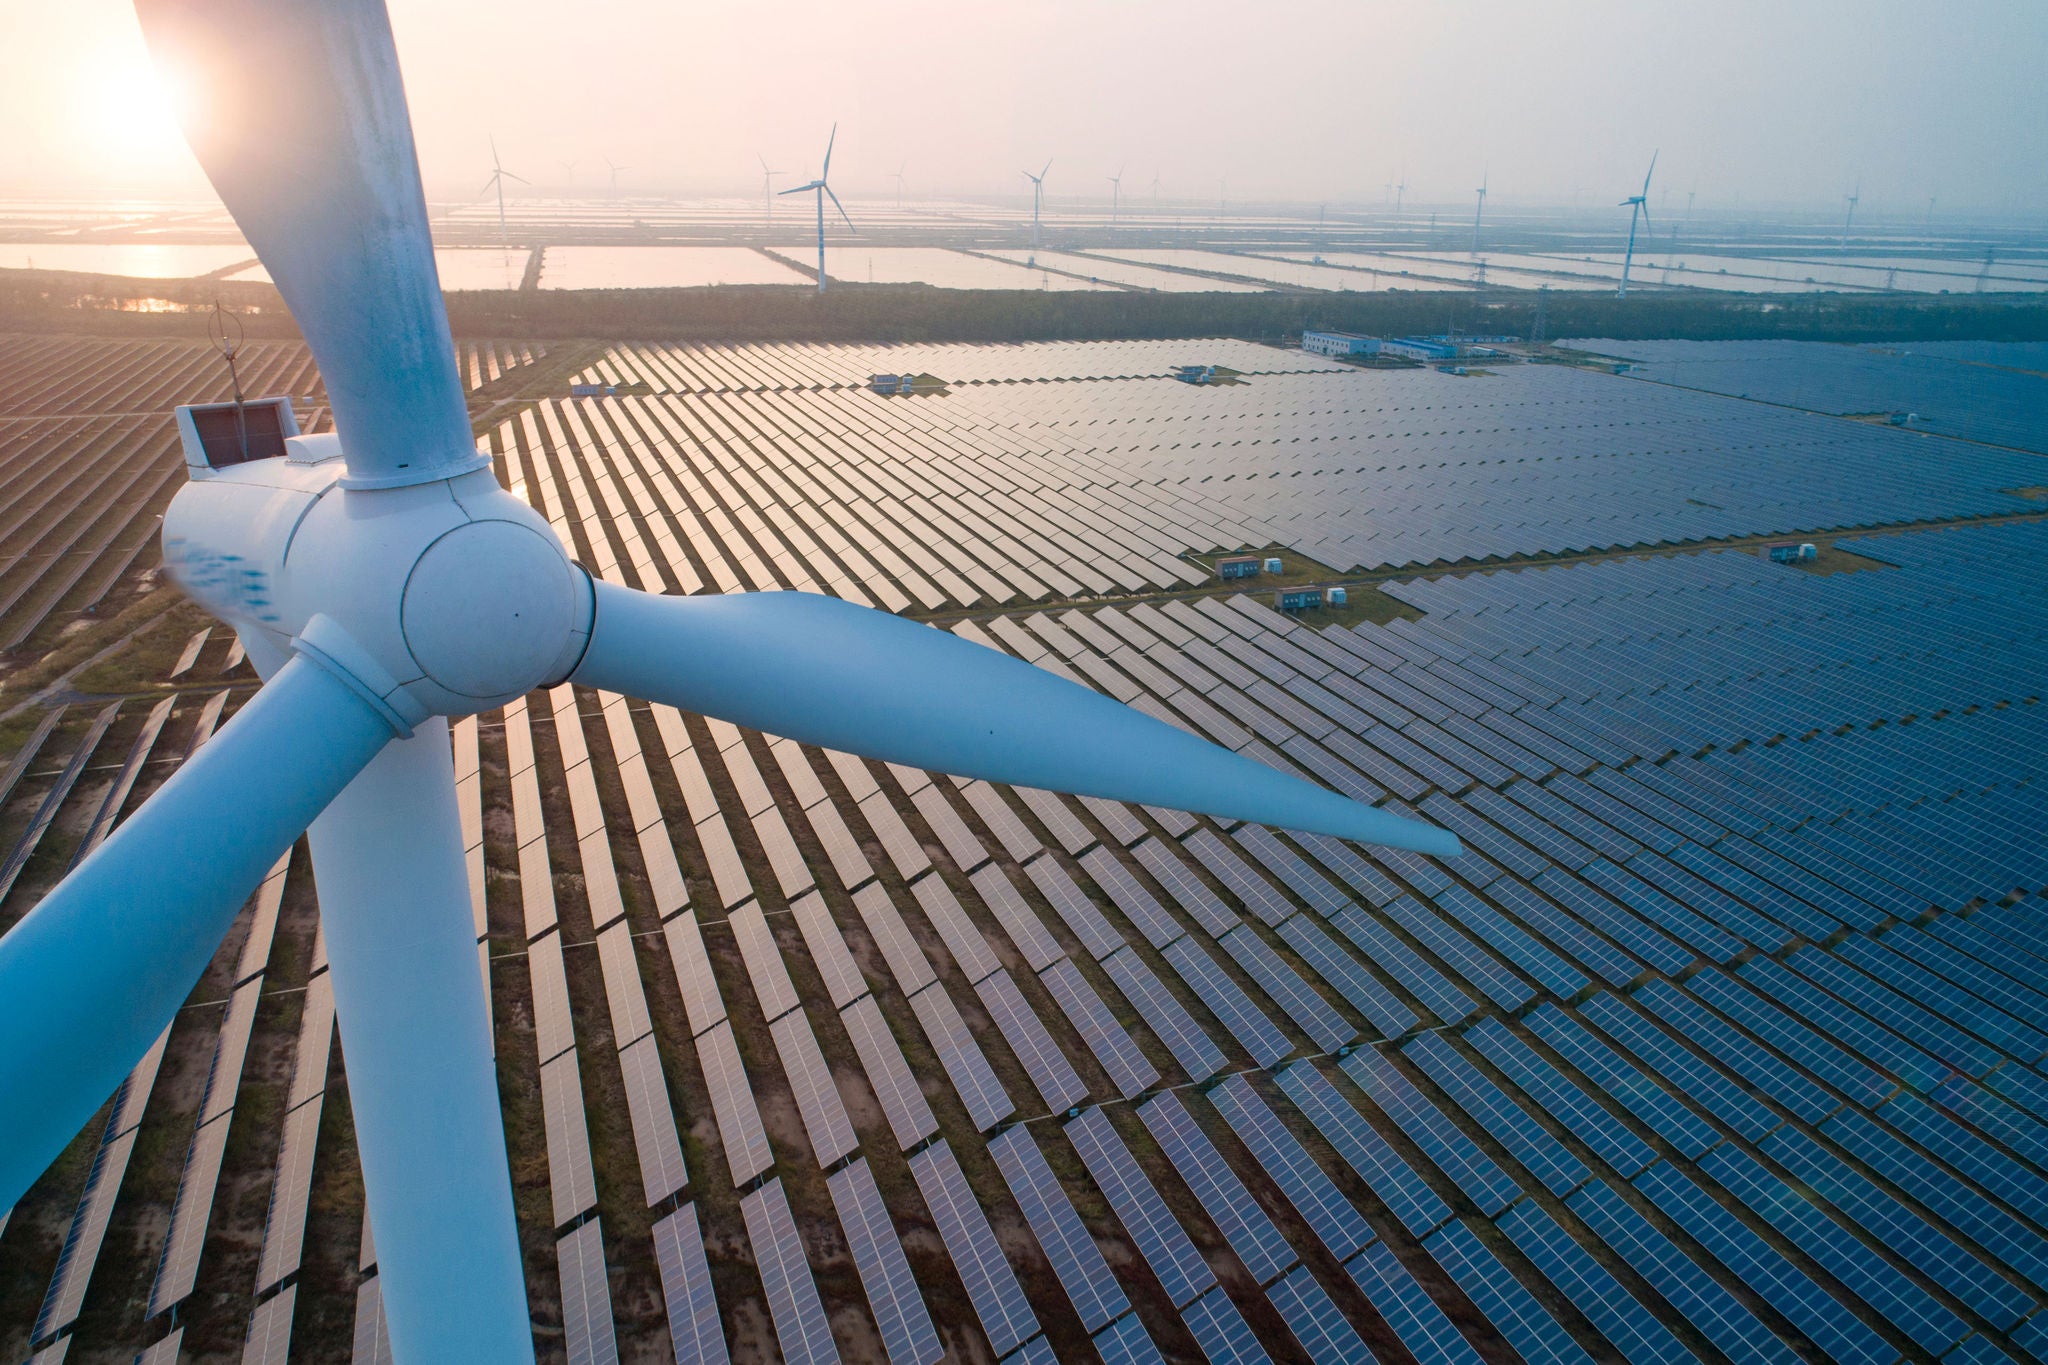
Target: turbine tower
(1037,198)
(499,175)
(1116,192)
(823,190)
(1400,190)
(1638,206)
(611,165)
(898,178)
(381,582)
(767,188)
(1479,212)
(1850,218)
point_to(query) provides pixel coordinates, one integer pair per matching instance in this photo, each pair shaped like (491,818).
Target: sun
(131,109)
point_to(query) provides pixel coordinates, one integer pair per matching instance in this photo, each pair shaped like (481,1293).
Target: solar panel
(1184,887)
(1455,1154)
(1506,1302)
(1081,915)
(587,1329)
(371,1339)
(969,949)
(991,1285)
(1287,990)
(654,1126)
(1136,903)
(1246,1022)
(570,1178)
(1409,1310)
(843,981)
(1129,1069)
(903,1104)
(747,1153)
(695,1330)
(1125,1342)
(270,1330)
(1721,1317)
(986,1100)
(1221,1331)
(1590,1287)
(1861,1269)
(900,1313)
(1050,1071)
(1406,1194)
(988,803)
(1328,1213)
(1562,1098)
(907,962)
(1830,1324)
(1407,966)
(1317,1323)
(1255,892)
(1229,1204)
(1160,1240)
(1723,1098)
(800,1327)
(1649,1102)
(1167,1017)
(1068,1245)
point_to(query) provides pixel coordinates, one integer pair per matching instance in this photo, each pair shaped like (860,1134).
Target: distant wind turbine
(1638,206)
(615,169)
(1400,190)
(824,191)
(1928,230)
(1850,218)
(767,186)
(1116,193)
(1155,189)
(499,175)
(568,173)
(1480,211)
(898,178)
(1037,198)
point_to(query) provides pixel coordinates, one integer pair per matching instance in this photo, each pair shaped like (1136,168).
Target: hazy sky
(1751,101)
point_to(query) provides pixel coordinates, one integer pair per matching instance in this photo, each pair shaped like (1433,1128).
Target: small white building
(1339,343)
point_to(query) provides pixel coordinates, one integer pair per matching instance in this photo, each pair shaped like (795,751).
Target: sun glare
(132,109)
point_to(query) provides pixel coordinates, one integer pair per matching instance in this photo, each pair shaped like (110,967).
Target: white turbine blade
(325,185)
(830,673)
(1647,174)
(802,189)
(97,970)
(837,205)
(520,178)
(825,171)
(415,1036)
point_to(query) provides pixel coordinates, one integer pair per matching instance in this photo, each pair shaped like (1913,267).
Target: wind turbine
(609,163)
(499,175)
(1400,190)
(569,173)
(822,189)
(1638,206)
(1155,189)
(898,178)
(1480,211)
(1116,191)
(1850,218)
(1037,198)
(381,582)
(767,186)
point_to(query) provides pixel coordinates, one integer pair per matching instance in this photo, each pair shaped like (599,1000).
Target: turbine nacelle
(442,598)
